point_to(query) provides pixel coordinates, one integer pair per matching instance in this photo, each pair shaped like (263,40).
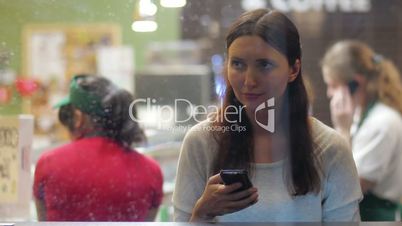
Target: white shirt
(377,151)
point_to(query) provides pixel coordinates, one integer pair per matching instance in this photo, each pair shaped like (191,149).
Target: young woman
(97,177)
(300,169)
(366,107)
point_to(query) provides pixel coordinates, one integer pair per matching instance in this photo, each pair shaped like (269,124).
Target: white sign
(48,61)
(16,135)
(117,64)
(346,6)
(9,160)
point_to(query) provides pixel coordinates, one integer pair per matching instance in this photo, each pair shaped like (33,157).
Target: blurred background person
(98,176)
(366,105)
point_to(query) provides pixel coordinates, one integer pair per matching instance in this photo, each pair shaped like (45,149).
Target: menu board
(9,159)
(59,51)
(16,135)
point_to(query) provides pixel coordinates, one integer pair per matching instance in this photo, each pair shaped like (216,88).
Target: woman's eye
(237,64)
(265,65)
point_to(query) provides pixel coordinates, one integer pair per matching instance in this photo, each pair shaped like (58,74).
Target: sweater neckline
(268,165)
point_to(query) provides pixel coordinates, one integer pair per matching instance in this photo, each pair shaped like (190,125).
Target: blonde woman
(366,107)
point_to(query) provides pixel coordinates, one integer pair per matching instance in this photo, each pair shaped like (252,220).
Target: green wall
(14,14)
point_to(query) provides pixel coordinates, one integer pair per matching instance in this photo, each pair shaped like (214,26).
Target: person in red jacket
(98,176)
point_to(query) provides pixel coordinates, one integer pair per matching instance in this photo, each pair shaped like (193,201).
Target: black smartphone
(230,176)
(352,86)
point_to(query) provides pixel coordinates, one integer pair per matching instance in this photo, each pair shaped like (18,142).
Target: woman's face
(333,85)
(257,71)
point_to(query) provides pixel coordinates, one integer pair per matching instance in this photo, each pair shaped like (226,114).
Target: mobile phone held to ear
(231,176)
(352,86)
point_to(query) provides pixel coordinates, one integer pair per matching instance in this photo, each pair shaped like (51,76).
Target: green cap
(82,99)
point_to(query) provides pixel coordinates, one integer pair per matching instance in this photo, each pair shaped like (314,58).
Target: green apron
(373,208)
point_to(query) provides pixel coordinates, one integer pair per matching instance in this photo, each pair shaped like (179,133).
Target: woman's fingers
(227,189)
(219,199)
(335,102)
(215,179)
(342,100)
(347,99)
(243,203)
(341,106)
(241,194)
(234,206)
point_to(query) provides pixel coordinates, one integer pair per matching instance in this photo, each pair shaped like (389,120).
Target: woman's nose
(250,78)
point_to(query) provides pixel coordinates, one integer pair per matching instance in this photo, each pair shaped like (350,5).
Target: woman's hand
(219,199)
(342,110)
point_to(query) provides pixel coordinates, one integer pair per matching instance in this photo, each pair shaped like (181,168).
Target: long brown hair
(236,149)
(350,57)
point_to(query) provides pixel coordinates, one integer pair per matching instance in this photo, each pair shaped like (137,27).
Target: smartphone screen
(230,176)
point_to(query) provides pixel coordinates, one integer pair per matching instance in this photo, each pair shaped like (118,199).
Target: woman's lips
(251,96)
